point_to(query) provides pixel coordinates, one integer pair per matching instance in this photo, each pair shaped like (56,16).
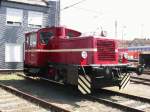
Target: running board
(125,80)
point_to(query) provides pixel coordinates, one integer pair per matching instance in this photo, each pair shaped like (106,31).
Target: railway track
(147,72)
(140,80)
(125,102)
(10,102)
(122,101)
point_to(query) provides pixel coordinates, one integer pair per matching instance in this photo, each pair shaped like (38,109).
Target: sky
(91,16)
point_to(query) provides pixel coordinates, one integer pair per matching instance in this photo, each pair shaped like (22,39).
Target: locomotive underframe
(86,78)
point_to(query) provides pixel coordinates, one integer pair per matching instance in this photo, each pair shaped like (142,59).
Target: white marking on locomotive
(63,50)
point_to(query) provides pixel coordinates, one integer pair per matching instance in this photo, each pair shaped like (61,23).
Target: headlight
(84,54)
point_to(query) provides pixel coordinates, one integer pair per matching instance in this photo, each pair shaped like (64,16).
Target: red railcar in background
(61,54)
(139,54)
(132,54)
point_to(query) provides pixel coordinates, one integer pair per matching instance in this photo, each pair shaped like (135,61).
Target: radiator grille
(106,50)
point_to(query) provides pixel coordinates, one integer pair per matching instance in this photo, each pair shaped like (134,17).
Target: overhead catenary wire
(72,5)
(89,10)
(84,9)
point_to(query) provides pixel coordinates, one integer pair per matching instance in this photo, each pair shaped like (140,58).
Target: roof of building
(32,2)
(139,42)
(133,43)
(123,43)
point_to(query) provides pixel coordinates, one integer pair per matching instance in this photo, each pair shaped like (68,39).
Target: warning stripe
(85,81)
(84,84)
(82,90)
(81,84)
(125,81)
(124,78)
(125,84)
(88,78)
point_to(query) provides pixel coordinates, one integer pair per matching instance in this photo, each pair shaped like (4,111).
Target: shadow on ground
(50,92)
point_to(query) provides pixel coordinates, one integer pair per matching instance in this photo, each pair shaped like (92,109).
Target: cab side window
(70,34)
(33,40)
(45,36)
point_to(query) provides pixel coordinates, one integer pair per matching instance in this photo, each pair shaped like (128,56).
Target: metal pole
(123,44)
(142,25)
(116,25)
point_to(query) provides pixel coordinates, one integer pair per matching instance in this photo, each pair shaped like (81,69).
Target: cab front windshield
(45,36)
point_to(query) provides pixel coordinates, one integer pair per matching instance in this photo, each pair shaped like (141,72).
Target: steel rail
(138,82)
(134,97)
(33,99)
(113,104)
(108,102)
(146,72)
(143,79)
(33,78)
(118,105)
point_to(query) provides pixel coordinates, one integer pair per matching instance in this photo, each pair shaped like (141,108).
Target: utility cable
(73,5)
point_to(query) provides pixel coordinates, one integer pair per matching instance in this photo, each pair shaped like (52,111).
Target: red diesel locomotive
(60,54)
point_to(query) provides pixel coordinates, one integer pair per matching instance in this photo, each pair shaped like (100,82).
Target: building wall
(15,34)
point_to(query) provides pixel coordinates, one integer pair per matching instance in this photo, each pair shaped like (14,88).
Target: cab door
(26,48)
(44,35)
(33,49)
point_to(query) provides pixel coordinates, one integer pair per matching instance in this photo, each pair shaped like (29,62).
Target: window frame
(13,52)
(41,38)
(19,13)
(33,38)
(31,15)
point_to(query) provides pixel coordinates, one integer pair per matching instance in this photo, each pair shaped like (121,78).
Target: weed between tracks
(5,77)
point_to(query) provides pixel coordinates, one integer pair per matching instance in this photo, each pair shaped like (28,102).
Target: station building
(18,17)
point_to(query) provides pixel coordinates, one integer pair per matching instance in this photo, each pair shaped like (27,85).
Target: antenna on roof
(116,26)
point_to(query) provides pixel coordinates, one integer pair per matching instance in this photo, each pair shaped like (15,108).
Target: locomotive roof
(78,34)
(56,28)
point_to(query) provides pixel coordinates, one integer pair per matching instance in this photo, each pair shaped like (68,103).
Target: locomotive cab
(60,54)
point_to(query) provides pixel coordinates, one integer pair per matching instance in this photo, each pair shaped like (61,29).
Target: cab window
(45,36)
(70,34)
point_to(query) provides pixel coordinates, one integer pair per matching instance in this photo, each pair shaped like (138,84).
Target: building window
(13,52)
(14,17)
(35,19)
